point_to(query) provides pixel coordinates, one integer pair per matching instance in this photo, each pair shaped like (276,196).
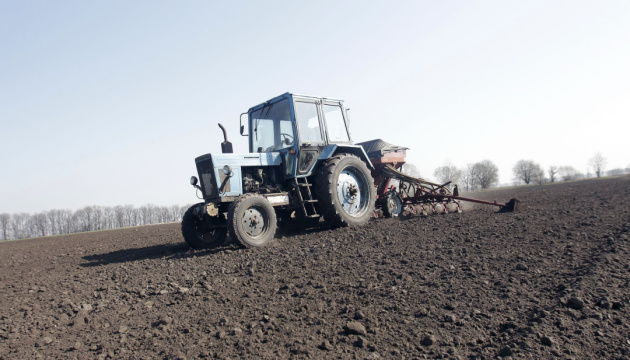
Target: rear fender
(332,150)
(356,150)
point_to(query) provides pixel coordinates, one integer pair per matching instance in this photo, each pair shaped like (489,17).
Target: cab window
(335,124)
(308,122)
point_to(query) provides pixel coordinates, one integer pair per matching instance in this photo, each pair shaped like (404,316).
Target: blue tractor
(302,166)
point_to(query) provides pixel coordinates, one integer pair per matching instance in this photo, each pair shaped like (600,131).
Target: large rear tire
(252,221)
(202,231)
(345,191)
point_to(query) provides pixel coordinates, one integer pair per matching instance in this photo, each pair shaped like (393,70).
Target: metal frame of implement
(388,161)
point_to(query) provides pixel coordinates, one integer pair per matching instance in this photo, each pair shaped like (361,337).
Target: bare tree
(598,163)
(527,170)
(97,219)
(447,172)
(119,210)
(41,223)
(163,215)
(31,228)
(539,176)
(110,217)
(52,221)
(18,225)
(4,224)
(65,221)
(131,216)
(553,170)
(148,214)
(568,173)
(487,173)
(174,213)
(80,221)
(469,178)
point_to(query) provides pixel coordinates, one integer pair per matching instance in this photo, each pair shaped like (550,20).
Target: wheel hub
(253,222)
(349,192)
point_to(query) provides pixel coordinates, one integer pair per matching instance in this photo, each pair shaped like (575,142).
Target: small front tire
(252,221)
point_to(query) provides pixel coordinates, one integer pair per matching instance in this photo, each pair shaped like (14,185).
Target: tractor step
(305,198)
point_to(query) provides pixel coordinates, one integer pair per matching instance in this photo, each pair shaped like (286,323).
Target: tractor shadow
(165,251)
(181,250)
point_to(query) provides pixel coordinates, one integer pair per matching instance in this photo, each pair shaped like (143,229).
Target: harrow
(398,193)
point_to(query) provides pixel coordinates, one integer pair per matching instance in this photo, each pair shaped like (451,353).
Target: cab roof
(289,95)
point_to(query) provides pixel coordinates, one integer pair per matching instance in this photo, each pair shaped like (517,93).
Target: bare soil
(549,281)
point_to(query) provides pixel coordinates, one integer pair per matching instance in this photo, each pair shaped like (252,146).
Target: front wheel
(252,221)
(202,231)
(345,191)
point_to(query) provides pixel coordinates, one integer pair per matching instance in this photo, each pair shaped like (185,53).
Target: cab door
(310,134)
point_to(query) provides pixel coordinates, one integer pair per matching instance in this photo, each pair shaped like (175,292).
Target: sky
(109,102)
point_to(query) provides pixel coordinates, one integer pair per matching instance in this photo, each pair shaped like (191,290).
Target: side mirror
(242,126)
(193,180)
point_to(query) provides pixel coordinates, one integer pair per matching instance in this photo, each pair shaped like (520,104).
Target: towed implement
(397,191)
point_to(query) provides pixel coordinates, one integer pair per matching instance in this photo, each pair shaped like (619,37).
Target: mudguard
(332,150)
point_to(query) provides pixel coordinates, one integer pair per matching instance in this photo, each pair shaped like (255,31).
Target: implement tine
(510,206)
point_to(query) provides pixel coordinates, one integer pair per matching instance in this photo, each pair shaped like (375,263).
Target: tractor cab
(301,128)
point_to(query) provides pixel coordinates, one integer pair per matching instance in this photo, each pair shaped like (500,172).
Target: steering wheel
(287,138)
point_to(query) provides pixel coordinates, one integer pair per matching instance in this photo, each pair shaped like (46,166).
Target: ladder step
(313,216)
(310,201)
(300,184)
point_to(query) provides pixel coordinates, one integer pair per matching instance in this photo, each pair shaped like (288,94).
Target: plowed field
(549,281)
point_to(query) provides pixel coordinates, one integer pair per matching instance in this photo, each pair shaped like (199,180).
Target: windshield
(271,128)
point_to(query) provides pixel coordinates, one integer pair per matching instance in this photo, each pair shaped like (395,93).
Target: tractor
(302,167)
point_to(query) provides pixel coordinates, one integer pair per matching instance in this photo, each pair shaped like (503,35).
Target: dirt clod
(355,327)
(575,303)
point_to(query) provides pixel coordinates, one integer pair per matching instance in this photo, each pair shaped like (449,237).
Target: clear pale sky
(109,102)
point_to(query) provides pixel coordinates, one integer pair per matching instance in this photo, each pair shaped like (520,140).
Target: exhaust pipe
(226,146)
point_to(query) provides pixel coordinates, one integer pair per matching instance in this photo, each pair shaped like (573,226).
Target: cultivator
(398,193)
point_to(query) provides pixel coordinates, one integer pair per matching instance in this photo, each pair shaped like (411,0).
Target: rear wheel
(202,231)
(345,191)
(252,221)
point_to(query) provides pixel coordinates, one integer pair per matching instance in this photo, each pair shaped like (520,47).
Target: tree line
(89,218)
(528,171)
(485,174)
(481,175)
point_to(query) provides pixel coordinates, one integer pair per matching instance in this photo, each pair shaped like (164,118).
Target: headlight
(227,170)
(193,180)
